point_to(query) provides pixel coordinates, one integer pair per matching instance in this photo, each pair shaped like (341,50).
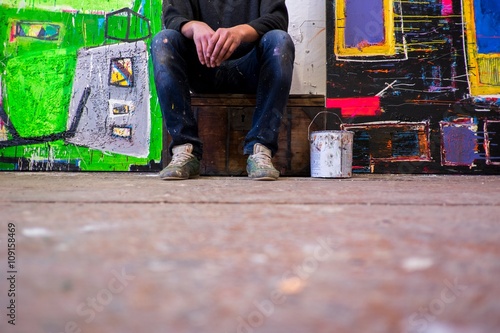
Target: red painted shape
(355,106)
(446,7)
(12,33)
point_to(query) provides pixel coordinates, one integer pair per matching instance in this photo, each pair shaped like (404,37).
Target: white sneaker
(184,164)
(259,164)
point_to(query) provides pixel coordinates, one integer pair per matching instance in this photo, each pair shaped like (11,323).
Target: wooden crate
(224,121)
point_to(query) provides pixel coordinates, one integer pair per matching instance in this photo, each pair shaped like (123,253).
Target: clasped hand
(213,47)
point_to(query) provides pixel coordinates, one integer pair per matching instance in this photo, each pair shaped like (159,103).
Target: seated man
(222,46)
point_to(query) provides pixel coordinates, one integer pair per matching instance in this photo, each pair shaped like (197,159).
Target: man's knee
(165,37)
(279,38)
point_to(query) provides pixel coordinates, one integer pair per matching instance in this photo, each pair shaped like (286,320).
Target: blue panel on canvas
(364,22)
(487,13)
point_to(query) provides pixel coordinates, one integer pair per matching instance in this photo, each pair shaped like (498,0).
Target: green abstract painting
(76,87)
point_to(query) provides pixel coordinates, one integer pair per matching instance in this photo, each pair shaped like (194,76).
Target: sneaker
(183,165)
(259,165)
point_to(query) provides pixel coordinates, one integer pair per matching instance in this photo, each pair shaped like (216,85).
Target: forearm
(188,29)
(247,33)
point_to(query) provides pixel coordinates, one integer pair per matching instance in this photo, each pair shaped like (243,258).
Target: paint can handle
(317,114)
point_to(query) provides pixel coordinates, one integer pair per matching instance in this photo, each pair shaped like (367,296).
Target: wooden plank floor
(128,253)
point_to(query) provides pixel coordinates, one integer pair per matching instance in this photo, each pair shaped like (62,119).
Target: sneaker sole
(179,178)
(264,178)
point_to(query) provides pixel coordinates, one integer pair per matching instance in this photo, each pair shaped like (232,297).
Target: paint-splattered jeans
(265,71)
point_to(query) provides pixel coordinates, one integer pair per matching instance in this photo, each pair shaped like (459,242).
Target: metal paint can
(331,153)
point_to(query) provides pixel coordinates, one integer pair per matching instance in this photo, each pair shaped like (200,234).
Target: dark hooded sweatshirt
(262,15)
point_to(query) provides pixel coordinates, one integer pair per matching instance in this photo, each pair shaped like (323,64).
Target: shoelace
(180,158)
(262,159)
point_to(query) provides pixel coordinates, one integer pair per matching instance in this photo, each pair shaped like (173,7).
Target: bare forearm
(188,29)
(247,33)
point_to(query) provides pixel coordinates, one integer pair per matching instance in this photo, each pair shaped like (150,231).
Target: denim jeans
(266,71)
